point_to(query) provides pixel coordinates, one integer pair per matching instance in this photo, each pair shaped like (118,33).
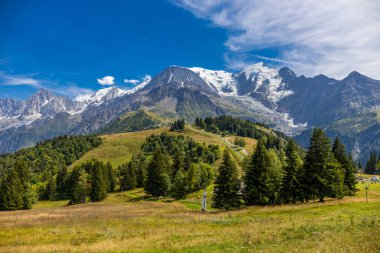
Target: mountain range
(349,108)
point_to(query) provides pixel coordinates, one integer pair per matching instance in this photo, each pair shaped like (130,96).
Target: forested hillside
(133,121)
(171,164)
(26,174)
(229,125)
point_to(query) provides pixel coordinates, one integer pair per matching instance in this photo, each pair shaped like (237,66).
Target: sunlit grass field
(130,222)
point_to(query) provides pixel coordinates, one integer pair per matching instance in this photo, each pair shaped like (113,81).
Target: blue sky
(70,46)
(73,43)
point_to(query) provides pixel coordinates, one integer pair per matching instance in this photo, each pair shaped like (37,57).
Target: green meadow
(132,222)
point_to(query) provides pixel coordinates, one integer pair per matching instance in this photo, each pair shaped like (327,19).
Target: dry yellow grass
(250,143)
(126,222)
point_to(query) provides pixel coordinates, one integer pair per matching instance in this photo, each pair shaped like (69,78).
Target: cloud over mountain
(107,80)
(331,37)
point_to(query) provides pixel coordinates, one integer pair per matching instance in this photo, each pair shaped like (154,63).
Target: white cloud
(312,37)
(67,89)
(70,90)
(132,81)
(16,80)
(107,80)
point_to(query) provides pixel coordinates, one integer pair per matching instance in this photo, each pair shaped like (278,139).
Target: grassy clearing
(128,222)
(250,143)
(119,148)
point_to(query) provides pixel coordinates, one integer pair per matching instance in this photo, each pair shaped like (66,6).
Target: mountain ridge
(278,97)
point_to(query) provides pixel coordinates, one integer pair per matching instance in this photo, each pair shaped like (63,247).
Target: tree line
(90,181)
(47,158)
(170,166)
(225,124)
(31,174)
(325,172)
(167,165)
(178,125)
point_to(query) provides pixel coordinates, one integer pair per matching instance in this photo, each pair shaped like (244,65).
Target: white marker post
(204,201)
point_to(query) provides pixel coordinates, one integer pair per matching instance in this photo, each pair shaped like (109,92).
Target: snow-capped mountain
(220,81)
(107,94)
(257,81)
(99,97)
(278,97)
(42,104)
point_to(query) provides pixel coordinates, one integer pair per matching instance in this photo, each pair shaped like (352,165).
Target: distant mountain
(278,97)
(43,104)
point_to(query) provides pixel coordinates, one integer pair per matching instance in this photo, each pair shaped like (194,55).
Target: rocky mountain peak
(175,77)
(42,96)
(355,76)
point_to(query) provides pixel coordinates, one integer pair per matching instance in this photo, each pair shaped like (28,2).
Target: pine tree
(197,121)
(28,194)
(192,177)
(180,185)
(339,151)
(276,175)
(51,189)
(77,186)
(140,176)
(257,177)
(370,167)
(347,165)
(291,187)
(157,179)
(11,195)
(98,184)
(205,175)
(131,178)
(178,163)
(111,177)
(227,185)
(178,125)
(322,173)
(61,187)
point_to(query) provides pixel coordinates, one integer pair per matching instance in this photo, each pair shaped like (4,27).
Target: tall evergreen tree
(51,189)
(339,151)
(111,177)
(180,185)
(322,175)
(77,186)
(28,194)
(276,175)
(293,173)
(98,184)
(157,179)
(257,177)
(61,188)
(370,167)
(129,177)
(11,195)
(347,165)
(178,163)
(227,185)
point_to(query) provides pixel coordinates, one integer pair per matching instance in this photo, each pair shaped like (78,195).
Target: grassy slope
(119,148)
(126,222)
